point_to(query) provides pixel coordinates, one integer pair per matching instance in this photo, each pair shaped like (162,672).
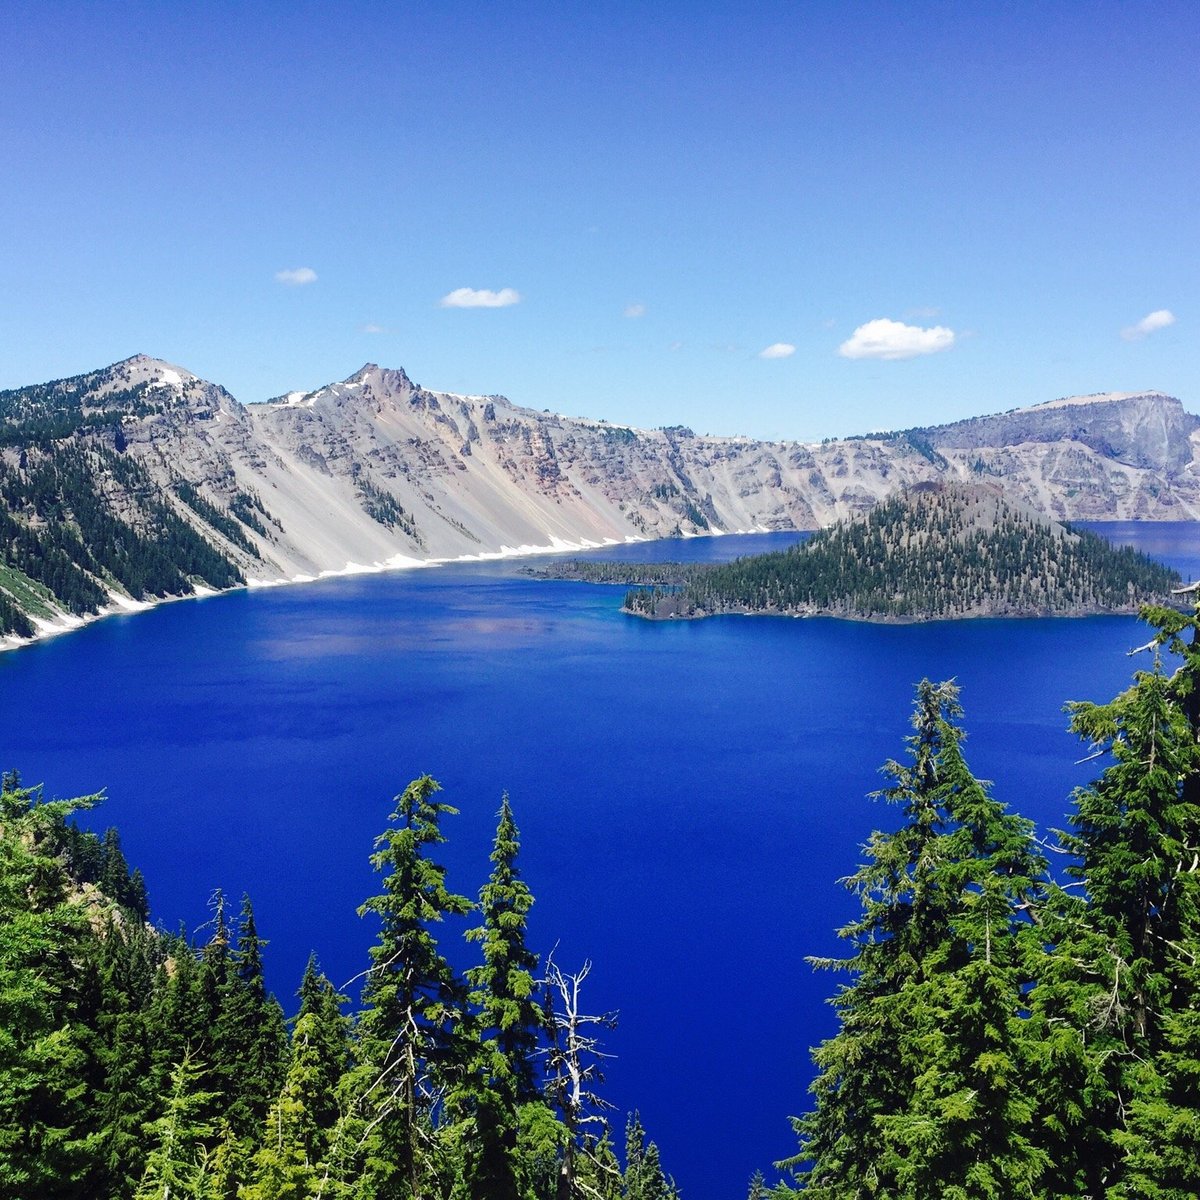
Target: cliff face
(377,470)
(1138,429)
(476,473)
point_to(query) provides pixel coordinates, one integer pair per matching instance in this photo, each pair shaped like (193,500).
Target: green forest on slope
(138,1065)
(930,553)
(62,544)
(1007,1031)
(80,517)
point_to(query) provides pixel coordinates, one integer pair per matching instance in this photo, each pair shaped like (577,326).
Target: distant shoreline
(127,606)
(885,619)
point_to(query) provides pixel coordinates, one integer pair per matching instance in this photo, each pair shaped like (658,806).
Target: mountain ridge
(376,471)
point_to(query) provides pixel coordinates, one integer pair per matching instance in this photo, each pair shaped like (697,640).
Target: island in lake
(933,552)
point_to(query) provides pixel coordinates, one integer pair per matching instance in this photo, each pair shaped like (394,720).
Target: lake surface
(688,794)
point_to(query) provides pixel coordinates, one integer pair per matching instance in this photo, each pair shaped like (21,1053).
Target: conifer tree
(286,1166)
(176,1021)
(177,1164)
(968,1127)
(504,1027)
(131,958)
(325,1044)
(116,881)
(919,1092)
(644,1178)
(510,1017)
(250,1033)
(1123,971)
(863,1072)
(48,1130)
(408,1050)
(596,1174)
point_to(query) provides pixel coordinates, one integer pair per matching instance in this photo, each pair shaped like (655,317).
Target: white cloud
(296,276)
(891,340)
(635,310)
(480,298)
(371,327)
(1159,319)
(778,350)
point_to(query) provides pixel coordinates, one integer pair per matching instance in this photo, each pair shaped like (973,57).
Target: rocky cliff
(378,471)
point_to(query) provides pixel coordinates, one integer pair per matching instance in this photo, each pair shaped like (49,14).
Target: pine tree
(131,958)
(919,1092)
(287,1164)
(510,1017)
(177,1164)
(644,1178)
(863,1074)
(250,1033)
(968,1127)
(412,1001)
(1126,962)
(49,1133)
(325,1044)
(505,1026)
(177,1024)
(116,881)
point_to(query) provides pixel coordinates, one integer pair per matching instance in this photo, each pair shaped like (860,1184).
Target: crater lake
(689,794)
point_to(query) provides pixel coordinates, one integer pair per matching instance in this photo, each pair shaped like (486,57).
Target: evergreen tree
(597,1174)
(968,1129)
(49,1136)
(412,1002)
(325,1044)
(510,1017)
(920,1093)
(286,1166)
(1126,961)
(864,1072)
(179,1026)
(131,957)
(250,1033)
(124,887)
(177,1164)
(644,1178)
(505,1026)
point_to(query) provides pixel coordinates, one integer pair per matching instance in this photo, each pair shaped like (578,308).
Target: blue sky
(631,203)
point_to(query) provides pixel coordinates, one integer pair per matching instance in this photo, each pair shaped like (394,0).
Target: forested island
(934,552)
(1006,1029)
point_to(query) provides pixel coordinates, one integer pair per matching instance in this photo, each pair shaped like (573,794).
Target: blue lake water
(688,794)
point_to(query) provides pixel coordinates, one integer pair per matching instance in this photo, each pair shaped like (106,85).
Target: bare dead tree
(575,1062)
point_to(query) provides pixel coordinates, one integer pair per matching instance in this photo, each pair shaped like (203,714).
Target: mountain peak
(393,379)
(140,368)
